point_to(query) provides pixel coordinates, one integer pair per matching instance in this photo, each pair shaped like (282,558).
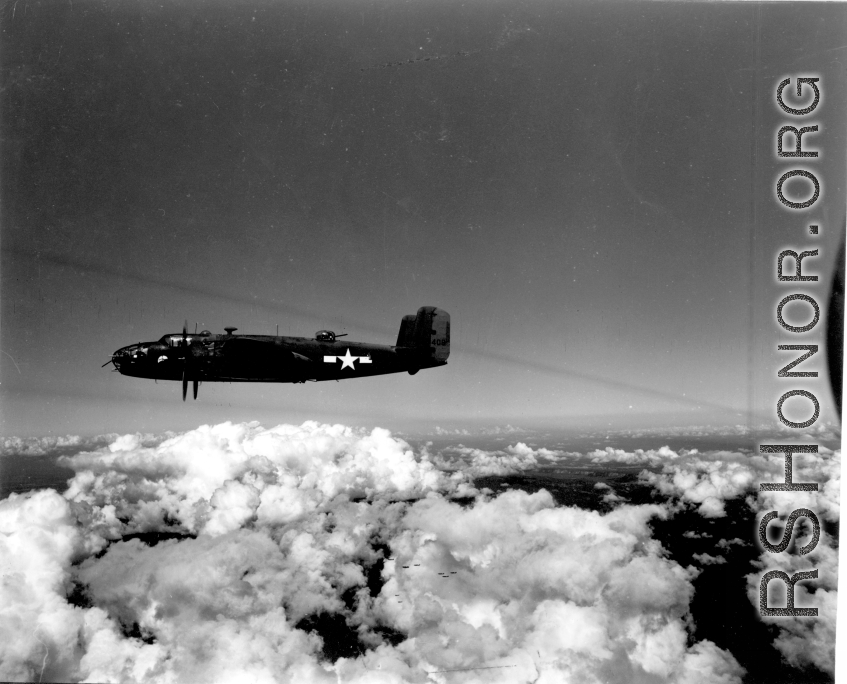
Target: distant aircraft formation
(423,342)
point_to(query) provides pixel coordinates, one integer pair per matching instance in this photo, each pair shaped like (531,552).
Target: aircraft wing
(254,355)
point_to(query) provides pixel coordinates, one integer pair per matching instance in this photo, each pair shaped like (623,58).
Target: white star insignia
(347,361)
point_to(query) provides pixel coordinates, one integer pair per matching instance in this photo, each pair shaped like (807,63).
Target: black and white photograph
(393,341)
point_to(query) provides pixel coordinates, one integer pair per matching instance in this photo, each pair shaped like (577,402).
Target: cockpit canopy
(325,336)
(175,340)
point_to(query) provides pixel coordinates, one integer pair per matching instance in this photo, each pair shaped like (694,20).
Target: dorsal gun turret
(327,336)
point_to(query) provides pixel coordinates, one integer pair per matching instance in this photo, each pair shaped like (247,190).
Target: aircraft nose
(126,355)
(120,356)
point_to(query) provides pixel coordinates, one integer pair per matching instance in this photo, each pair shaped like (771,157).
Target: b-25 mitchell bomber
(423,342)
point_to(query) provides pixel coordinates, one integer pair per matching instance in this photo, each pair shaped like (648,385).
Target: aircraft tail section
(406,336)
(428,331)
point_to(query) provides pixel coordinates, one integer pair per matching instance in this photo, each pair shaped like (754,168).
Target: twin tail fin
(428,332)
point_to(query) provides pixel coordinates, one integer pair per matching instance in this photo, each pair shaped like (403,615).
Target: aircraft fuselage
(266,358)
(422,342)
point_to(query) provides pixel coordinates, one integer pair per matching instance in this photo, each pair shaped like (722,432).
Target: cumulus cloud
(556,593)
(43,636)
(494,431)
(803,640)
(67,444)
(216,478)
(481,462)
(610,496)
(266,536)
(707,480)
(707,559)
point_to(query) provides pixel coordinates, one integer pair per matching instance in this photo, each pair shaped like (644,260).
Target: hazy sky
(586,188)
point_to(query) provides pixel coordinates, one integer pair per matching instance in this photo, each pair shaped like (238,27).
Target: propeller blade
(107,363)
(184,383)
(196,383)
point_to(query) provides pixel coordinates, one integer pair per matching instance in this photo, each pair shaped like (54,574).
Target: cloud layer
(707,480)
(325,553)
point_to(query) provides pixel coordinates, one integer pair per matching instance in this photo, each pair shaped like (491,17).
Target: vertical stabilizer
(427,332)
(406,336)
(432,332)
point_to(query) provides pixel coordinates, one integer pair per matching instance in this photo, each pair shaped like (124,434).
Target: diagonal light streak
(627,388)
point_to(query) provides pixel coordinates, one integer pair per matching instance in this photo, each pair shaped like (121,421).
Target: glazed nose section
(127,355)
